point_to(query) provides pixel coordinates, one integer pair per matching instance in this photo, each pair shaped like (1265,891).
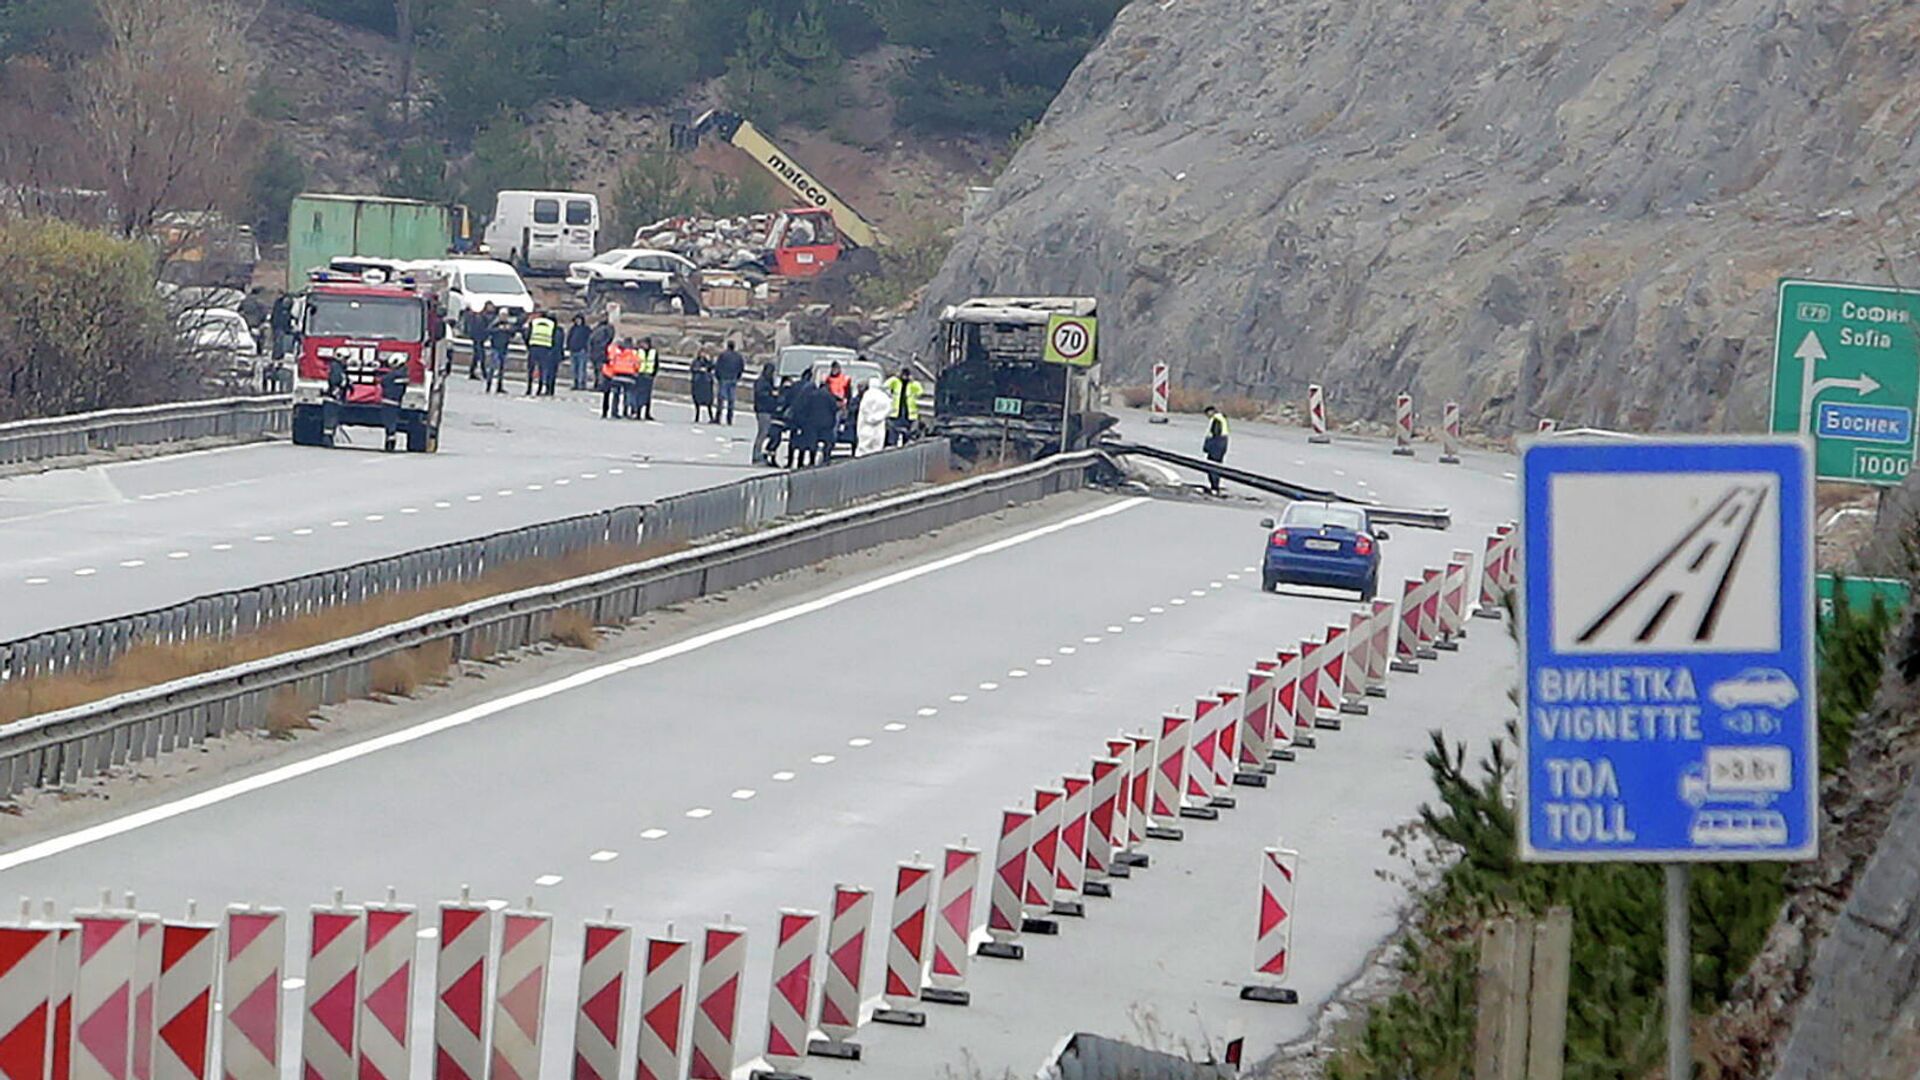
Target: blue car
(1331,545)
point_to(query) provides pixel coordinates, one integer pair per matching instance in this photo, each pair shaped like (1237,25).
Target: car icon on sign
(1768,687)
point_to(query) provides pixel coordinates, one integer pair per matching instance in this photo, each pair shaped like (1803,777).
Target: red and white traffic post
(1074,813)
(519,1004)
(1273,936)
(460,972)
(1450,434)
(386,991)
(907,934)
(1226,746)
(1009,884)
(1162,393)
(1196,791)
(1311,702)
(716,1003)
(1493,567)
(1333,674)
(1106,824)
(256,953)
(338,938)
(1431,582)
(790,1003)
(1129,825)
(599,1008)
(26,998)
(841,997)
(953,926)
(1383,649)
(1353,674)
(1146,758)
(1403,425)
(146,981)
(1169,778)
(1548,425)
(1406,645)
(102,1047)
(1451,606)
(1317,414)
(183,999)
(1255,734)
(1291,727)
(666,986)
(1043,872)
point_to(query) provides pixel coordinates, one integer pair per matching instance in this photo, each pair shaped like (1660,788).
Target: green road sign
(1006,406)
(1846,370)
(1861,593)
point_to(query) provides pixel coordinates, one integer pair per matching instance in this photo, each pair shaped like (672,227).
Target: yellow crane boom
(740,132)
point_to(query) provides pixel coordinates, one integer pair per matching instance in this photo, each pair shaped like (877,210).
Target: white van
(544,231)
(472,284)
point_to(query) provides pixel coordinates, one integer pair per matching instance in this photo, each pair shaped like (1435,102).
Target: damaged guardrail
(86,740)
(147,425)
(1437,517)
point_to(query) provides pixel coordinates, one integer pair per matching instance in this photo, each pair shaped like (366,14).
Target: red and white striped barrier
(1406,645)
(1106,821)
(337,938)
(1403,425)
(66,969)
(716,1004)
(250,993)
(1072,884)
(1140,795)
(1453,601)
(183,1000)
(1431,584)
(844,990)
(1353,676)
(460,990)
(1196,791)
(1043,857)
(146,980)
(1509,559)
(1162,393)
(1129,829)
(1384,646)
(666,985)
(1450,434)
(1318,694)
(519,1003)
(1317,414)
(600,1007)
(1306,689)
(1169,778)
(1226,745)
(1493,570)
(30,952)
(907,935)
(1009,886)
(953,926)
(103,996)
(790,1004)
(1548,426)
(1273,941)
(1255,730)
(1332,698)
(1292,724)
(386,991)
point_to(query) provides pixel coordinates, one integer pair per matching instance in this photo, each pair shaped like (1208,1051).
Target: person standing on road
(794,402)
(701,386)
(1215,446)
(766,404)
(728,370)
(475,325)
(643,392)
(543,353)
(280,321)
(579,343)
(597,344)
(617,377)
(820,420)
(500,334)
(872,421)
(903,398)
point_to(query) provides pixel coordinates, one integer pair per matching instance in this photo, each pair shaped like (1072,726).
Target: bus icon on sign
(1810,312)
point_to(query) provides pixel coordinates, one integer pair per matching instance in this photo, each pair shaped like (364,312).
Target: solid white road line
(294,770)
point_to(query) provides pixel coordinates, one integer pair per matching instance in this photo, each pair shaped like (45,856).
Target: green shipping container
(320,227)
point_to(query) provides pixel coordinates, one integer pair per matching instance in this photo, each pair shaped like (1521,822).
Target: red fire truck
(371,353)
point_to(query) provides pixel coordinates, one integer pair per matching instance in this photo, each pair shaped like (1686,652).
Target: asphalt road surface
(1681,598)
(752,766)
(92,543)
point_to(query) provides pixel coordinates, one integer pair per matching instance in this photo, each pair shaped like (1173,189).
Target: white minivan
(544,231)
(472,284)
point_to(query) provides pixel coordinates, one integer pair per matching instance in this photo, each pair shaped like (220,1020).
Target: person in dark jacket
(474,326)
(579,346)
(1215,445)
(728,370)
(504,328)
(702,380)
(791,416)
(393,390)
(597,344)
(766,406)
(281,321)
(819,413)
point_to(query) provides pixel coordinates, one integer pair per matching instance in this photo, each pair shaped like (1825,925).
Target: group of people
(716,381)
(808,415)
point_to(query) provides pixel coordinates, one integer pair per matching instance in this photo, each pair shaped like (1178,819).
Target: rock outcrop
(1566,208)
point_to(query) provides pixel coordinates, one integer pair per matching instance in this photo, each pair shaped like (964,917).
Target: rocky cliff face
(1566,208)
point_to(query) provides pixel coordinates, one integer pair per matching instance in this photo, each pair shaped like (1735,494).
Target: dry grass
(288,712)
(574,630)
(1182,400)
(398,675)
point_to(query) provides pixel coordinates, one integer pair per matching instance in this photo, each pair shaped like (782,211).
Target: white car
(652,276)
(472,284)
(221,340)
(1764,687)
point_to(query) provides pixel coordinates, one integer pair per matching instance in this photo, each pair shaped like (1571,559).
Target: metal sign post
(1667,627)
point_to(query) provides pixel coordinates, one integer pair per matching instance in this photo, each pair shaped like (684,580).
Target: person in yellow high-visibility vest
(903,414)
(543,353)
(643,382)
(1215,446)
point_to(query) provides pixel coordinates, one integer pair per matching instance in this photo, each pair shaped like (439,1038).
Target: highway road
(754,764)
(1680,599)
(97,542)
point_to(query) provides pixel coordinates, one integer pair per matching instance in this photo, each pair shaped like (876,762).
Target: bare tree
(165,107)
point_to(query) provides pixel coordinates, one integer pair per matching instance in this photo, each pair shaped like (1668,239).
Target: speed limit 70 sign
(1070,340)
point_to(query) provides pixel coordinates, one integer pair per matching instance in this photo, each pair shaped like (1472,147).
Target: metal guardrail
(65,746)
(68,436)
(680,518)
(1436,517)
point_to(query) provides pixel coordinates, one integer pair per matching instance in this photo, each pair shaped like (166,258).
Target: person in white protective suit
(872,420)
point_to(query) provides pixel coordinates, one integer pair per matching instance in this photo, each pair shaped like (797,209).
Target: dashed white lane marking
(589,476)
(1199,592)
(376,517)
(303,532)
(1156,611)
(1136,618)
(745,793)
(1363,483)
(536,487)
(1116,629)
(928,711)
(1250,570)
(821,759)
(475,498)
(783,776)
(409,509)
(1091,639)
(1017,673)
(85,571)
(1067,650)
(699,812)
(615,472)
(548,880)
(1508,476)
(895,726)
(179,554)
(221,547)
(1339,472)
(604,855)
(562,482)
(133,564)
(1043,662)
(652,834)
(1233,577)
(1215,585)
(36,581)
(338,524)
(644,465)
(504,492)
(442,505)
(263,538)
(1299,461)
(860,742)
(989,686)
(957,698)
